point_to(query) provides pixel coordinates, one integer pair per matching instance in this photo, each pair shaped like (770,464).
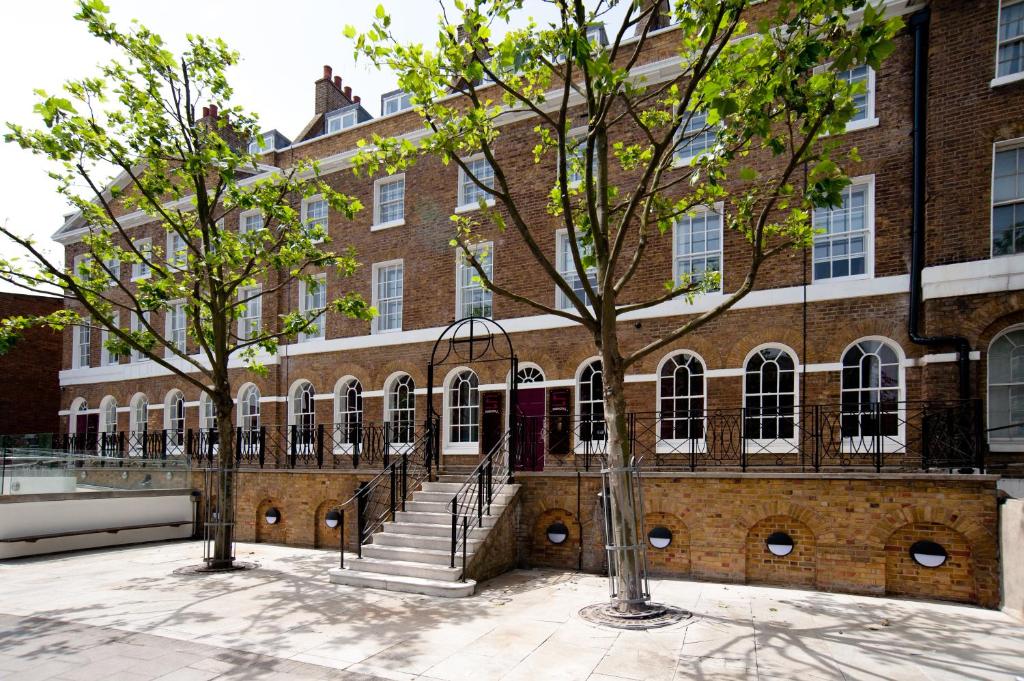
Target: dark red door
(493,421)
(531,407)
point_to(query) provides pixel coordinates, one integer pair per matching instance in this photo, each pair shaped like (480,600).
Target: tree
(763,95)
(180,174)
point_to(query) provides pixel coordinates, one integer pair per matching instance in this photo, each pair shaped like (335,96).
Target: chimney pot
(348,92)
(213,111)
(337,82)
(206,111)
(357,99)
(327,71)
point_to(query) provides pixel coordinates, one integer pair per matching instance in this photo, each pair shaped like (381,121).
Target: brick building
(31,402)
(843,324)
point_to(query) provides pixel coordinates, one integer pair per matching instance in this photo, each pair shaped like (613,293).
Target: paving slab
(121,614)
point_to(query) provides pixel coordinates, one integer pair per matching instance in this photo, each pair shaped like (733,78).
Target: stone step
(497,506)
(414,585)
(449,487)
(442,519)
(444,497)
(420,541)
(428,530)
(441,573)
(410,555)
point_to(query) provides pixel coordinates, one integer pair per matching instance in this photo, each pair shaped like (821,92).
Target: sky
(283,45)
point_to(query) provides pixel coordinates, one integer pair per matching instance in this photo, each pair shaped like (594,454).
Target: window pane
(843,236)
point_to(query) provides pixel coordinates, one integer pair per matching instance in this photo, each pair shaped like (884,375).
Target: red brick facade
(32,397)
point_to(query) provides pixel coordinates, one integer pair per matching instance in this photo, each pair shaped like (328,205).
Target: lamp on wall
(660,537)
(780,544)
(928,554)
(557,532)
(332,518)
(273,516)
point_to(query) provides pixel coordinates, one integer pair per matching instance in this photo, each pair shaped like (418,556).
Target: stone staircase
(413,553)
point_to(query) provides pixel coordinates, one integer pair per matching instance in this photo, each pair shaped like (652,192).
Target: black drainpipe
(919,26)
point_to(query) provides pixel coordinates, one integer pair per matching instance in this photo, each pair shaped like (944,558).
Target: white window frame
(326,218)
(870,119)
(1003,145)
(718,209)
(135,324)
(176,260)
(399,97)
(250,317)
(450,445)
(81,340)
(388,386)
(174,447)
(997,442)
(869,230)
(378,185)
(580,444)
(998,80)
(243,218)
(345,118)
(890,443)
(108,415)
(138,427)
(464,205)
(340,439)
(321,322)
(462,266)
(169,330)
(566,267)
(142,270)
(776,444)
(245,417)
(678,158)
(677,445)
(107,358)
(375,298)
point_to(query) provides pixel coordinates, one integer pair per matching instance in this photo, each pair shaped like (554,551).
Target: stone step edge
(446,589)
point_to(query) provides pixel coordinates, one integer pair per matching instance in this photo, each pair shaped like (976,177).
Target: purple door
(493,420)
(531,407)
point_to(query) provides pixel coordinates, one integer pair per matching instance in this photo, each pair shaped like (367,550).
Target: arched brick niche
(325,537)
(547,554)
(799,568)
(674,559)
(953,580)
(267,533)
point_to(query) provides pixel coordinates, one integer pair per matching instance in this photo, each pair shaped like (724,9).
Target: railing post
(163,444)
(238,445)
(405,479)
(878,437)
(480,497)
(341,538)
(816,462)
(189,443)
(320,445)
(387,443)
(465,543)
(691,439)
(489,477)
(455,531)
(293,445)
(743,439)
(392,476)
(979,435)
(145,441)
(357,443)
(360,518)
(262,444)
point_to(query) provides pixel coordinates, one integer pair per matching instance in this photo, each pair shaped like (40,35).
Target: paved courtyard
(121,615)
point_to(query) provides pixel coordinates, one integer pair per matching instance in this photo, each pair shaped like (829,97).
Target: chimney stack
(206,112)
(328,93)
(356,99)
(213,111)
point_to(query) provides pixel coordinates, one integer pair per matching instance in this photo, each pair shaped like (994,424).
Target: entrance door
(531,407)
(493,420)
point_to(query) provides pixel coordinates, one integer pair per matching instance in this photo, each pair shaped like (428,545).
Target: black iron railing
(878,436)
(472,502)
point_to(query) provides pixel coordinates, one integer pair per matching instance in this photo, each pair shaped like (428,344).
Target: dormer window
(339,120)
(396,101)
(267,142)
(596,34)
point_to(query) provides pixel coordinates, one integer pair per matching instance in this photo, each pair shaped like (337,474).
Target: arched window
(769,389)
(1006,386)
(348,412)
(871,389)
(590,399)
(463,397)
(303,406)
(207,412)
(138,422)
(249,409)
(77,417)
(400,409)
(681,398)
(108,415)
(174,420)
(530,374)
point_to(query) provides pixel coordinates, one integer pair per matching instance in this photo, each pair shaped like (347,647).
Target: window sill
(862,125)
(470,207)
(1006,80)
(1006,445)
(851,277)
(387,225)
(461,448)
(310,339)
(382,332)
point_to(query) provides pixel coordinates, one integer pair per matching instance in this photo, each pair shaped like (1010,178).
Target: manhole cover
(654,616)
(204,569)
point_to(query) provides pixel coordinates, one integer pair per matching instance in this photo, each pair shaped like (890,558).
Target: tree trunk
(224,477)
(627,564)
